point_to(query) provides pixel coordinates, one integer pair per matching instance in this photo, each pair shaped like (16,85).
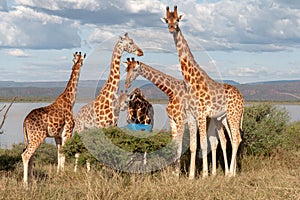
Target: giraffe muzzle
(139,52)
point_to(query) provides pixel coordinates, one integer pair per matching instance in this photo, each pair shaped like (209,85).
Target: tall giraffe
(100,112)
(140,110)
(103,111)
(177,107)
(55,120)
(212,99)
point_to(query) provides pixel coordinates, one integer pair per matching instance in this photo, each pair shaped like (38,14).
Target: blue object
(139,127)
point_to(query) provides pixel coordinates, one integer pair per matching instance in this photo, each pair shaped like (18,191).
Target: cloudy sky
(245,41)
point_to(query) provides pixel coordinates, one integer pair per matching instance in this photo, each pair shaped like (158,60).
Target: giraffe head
(78,58)
(128,45)
(172,19)
(123,100)
(133,70)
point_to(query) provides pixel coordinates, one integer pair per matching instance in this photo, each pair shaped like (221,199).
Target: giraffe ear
(181,17)
(164,20)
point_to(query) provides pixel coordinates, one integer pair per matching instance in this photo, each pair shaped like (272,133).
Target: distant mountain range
(282,90)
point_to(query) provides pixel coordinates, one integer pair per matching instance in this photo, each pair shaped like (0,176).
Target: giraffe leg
(30,164)
(211,132)
(236,140)
(223,142)
(225,124)
(88,165)
(193,144)
(66,135)
(203,143)
(58,142)
(175,137)
(76,161)
(27,158)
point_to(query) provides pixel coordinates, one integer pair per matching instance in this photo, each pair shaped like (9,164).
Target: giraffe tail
(25,134)
(241,122)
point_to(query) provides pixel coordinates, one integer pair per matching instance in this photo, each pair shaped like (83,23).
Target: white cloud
(18,53)
(223,25)
(23,27)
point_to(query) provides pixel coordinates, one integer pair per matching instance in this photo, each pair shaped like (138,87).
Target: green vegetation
(265,128)
(122,149)
(270,166)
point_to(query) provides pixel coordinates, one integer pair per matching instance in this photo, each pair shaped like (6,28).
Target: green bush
(75,145)
(291,140)
(10,158)
(265,128)
(118,147)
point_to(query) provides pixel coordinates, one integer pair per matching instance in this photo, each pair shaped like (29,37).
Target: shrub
(120,149)
(264,128)
(9,158)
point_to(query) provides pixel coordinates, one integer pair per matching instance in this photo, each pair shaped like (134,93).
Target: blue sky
(245,41)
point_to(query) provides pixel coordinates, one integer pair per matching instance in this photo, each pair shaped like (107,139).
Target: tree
(5,113)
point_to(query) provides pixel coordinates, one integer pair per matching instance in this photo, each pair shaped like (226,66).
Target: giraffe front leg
(214,144)
(203,143)
(175,138)
(66,135)
(77,155)
(58,142)
(193,145)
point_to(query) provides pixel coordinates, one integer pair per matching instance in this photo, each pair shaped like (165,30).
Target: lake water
(13,132)
(13,126)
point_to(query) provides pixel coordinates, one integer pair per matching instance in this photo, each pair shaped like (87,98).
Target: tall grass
(271,173)
(261,178)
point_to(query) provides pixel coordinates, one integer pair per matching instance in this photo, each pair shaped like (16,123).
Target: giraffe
(177,108)
(101,112)
(55,120)
(121,104)
(140,110)
(210,98)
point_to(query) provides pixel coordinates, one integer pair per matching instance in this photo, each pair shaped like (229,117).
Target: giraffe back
(140,110)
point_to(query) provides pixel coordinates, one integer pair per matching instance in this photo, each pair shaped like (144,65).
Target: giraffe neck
(112,84)
(69,94)
(164,82)
(189,66)
(208,91)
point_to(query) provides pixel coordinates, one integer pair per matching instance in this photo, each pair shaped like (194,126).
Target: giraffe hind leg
(27,158)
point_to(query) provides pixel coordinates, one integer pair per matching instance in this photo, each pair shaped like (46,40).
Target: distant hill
(87,89)
(273,90)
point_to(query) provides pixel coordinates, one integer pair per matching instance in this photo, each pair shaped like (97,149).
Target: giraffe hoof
(191,177)
(229,175)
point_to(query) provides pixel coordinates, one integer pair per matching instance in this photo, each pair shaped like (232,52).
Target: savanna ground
(269,169)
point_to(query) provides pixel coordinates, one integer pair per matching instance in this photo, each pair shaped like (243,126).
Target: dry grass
(261,178)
